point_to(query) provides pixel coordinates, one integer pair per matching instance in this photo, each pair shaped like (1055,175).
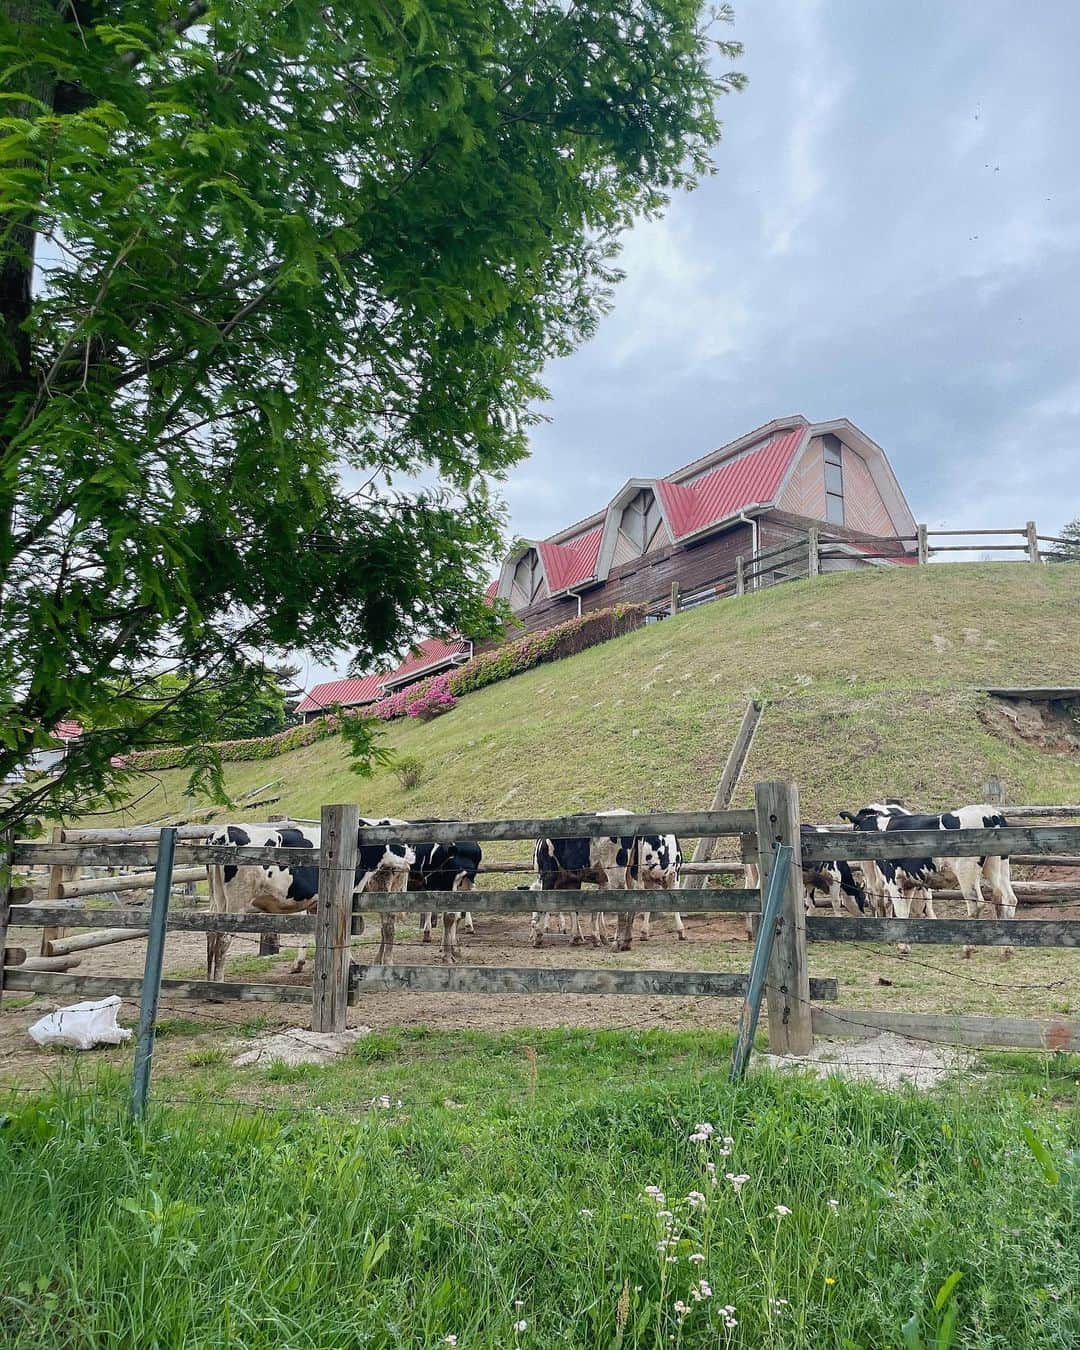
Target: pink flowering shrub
(436,699)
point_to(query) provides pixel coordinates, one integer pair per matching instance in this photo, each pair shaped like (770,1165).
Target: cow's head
(868,817)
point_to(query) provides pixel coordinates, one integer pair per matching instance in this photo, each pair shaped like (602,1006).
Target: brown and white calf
(293,888)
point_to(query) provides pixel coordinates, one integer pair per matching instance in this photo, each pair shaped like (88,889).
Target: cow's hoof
(297,968)
(681,935)
(575,942)
(1006,953)
(426,937)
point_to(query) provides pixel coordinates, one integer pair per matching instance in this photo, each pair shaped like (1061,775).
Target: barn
(763,490)
(767,488)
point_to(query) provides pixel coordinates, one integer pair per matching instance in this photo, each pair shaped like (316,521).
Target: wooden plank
(337,867)
(979,548)
(145,855)
(1032,542)
(689,824)
(138,834)
(976,932)
(1021,1033)
(788,989)
(13,956)
(729,778)
(813,543)
(137,881)
(105,937)
(100,986)
(1044,860)
(553,980)
(960,534)
(722,900)
(181,921)
(50,963)
(923,549)
(863,844)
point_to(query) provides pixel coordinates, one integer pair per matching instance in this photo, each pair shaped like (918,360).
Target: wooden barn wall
(645,580)
(864,509)
(777,527)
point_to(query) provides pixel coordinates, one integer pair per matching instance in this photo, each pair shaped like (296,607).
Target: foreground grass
(870,679)
(460,1208)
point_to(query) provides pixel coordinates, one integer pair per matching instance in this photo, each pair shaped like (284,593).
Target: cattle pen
(796,999)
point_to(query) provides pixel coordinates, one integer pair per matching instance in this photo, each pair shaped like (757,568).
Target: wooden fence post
(337,878)
(813,563)
(7,841)
(924,551)
(57,877)
(1032,542)
(740,575)
(729,780)
(674,597)
(788,992)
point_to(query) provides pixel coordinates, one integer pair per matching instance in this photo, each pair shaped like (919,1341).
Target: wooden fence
(792,993)
(817,551)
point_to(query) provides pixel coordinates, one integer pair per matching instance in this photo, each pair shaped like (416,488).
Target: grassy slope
(869,679)
(504,1182)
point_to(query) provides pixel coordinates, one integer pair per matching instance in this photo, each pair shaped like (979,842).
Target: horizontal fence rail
(550,980)
(943,932)
(101,986)
(858,845)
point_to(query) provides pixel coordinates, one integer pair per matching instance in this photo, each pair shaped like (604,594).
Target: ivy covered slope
(870,678)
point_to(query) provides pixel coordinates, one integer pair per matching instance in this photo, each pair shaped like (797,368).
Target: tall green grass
(406,1222)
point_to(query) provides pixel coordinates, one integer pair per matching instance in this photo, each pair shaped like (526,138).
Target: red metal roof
(347,693)
(571,563)
(493,589)
(729,489)
(430,652)
(67,731)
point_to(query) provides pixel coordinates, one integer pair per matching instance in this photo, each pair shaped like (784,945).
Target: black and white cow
(567,864)
(835,881)
(445,867)
(899,881)
(287,888)
(655,867)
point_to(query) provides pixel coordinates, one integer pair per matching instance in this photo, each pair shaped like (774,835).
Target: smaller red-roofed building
(764,490)
(433,656)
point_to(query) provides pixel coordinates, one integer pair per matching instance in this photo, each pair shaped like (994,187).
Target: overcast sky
(892,235)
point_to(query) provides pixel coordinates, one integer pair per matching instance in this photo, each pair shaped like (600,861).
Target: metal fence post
(151,986)
(759,964)
(337,879)
(788,991)
(1032,542)
(923,544)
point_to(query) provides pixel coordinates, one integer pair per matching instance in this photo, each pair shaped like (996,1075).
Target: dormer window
(834,480)
(641,527)
(527,580)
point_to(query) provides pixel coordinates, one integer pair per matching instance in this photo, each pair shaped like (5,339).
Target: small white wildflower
(586,1213)
(695,1200)
(737,1180)
(699,1138)
(637,1288)
(655,1193)
(833,1204)
(451,1339)
(696,1258)
(521,1326)
(671,1260)
(664,1214)
(728,1309)
(704,1128)
(730,1323)
(519,1303)
(724,1152)
(783,1211)
(728,1141)
(680,1307)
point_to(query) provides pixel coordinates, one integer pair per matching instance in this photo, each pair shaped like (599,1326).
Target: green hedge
(551,644)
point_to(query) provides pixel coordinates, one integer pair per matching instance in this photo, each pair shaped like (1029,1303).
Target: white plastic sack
(82,1026)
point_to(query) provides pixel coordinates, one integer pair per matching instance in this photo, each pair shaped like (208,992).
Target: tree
(250,702)
(294,258)
(1068,550)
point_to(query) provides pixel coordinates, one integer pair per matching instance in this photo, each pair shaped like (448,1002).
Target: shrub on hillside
(434,700)
(409,770)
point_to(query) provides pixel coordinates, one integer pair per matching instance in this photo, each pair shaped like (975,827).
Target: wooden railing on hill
(808,555)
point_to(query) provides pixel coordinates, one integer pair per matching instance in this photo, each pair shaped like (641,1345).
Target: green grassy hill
(870,680)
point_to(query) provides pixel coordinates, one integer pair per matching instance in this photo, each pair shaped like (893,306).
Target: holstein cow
(288,888)
(655,867)
(899,880)
(567,864)
(445,867)
(834,881)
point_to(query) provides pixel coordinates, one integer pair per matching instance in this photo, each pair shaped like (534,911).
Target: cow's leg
(576,938)
(449,939)
(469,923)
(680,927)
(299,960)
(998,872)
(645,918)
(217,945)
(425,927)
(968,875)
(385,954)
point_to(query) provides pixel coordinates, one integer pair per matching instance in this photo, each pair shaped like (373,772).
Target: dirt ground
(1034,982)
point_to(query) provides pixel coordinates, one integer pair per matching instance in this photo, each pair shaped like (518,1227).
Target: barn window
(834,481)
(527,580)
(641,527)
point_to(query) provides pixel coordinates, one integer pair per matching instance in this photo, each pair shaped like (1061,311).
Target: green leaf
(910,1334)
(943,1294)
(1042,1155)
